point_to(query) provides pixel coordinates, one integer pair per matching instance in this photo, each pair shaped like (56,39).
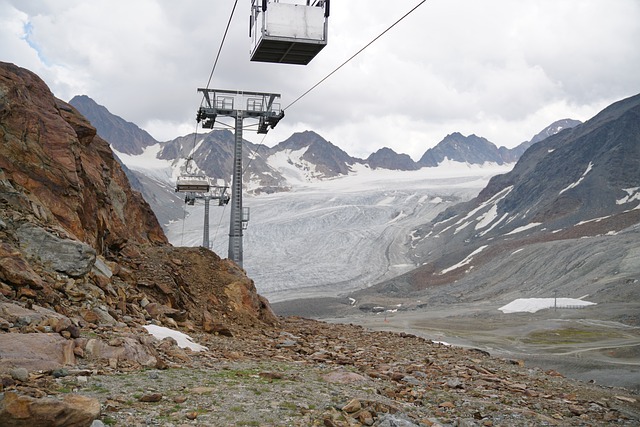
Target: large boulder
(72,411)
(35,352)
(64,255)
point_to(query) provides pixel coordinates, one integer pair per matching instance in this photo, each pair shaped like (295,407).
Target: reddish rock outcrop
(76,240)
(52,155)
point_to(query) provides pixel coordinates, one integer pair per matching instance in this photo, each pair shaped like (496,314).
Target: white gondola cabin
(288,31)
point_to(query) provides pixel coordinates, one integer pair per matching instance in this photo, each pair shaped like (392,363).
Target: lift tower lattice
(239,105)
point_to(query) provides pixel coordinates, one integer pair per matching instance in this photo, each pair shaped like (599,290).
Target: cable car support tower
(238,105)
(198,186)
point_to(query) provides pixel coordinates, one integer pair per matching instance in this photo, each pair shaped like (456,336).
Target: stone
(27,293)
(366,418)
(131,350)
(455,383)
(389,420)
(67,256)
(210,326)
(19,374)
(343,377)
(626,399)
(35,352)
(15,270)
(271,375)
(59,373)
(101,268)
(98,316)
(153,397)
(24,411)
(353,406)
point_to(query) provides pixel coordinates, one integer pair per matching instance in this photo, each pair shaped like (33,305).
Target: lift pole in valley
(239,105)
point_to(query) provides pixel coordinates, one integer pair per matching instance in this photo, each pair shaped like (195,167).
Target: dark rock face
(578,174)
(512,155)
(471,149)
(125,137)
(386,158)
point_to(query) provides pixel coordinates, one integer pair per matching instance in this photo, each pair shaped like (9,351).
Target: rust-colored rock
(15,270)
(24,411)
(77,182)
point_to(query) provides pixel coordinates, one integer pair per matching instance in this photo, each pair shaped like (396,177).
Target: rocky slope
(83,260)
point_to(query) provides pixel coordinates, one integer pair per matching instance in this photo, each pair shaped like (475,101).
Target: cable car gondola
(288,31)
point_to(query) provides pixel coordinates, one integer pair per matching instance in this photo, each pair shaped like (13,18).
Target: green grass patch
(568,336)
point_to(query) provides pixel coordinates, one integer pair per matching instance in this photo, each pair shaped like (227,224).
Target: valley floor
(599,344)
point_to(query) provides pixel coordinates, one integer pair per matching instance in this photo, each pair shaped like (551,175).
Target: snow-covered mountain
(566,218)
(267,169)
(322,222)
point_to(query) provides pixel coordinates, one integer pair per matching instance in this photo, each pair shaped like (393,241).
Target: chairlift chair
(193,183)
(288,31)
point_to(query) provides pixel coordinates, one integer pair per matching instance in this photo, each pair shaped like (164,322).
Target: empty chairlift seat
(193,183)
(288,31)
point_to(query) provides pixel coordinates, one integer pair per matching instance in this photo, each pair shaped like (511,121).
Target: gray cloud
(500,69)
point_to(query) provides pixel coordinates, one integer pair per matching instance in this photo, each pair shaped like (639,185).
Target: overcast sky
(501,69)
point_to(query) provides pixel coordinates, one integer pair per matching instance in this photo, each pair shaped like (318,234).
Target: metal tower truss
(239,105)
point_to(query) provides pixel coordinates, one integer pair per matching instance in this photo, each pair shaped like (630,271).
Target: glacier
(331,237)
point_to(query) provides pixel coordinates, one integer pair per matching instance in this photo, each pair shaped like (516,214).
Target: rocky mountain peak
(466,149)
(125,137)
(328,159)
(386,158)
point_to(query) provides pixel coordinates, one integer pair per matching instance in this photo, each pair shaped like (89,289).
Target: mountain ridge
(124,136)
(308,153)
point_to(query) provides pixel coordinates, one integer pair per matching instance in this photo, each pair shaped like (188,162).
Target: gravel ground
(309,373)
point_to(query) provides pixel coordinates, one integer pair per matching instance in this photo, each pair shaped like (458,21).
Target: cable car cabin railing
(193,183)
(288,31)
